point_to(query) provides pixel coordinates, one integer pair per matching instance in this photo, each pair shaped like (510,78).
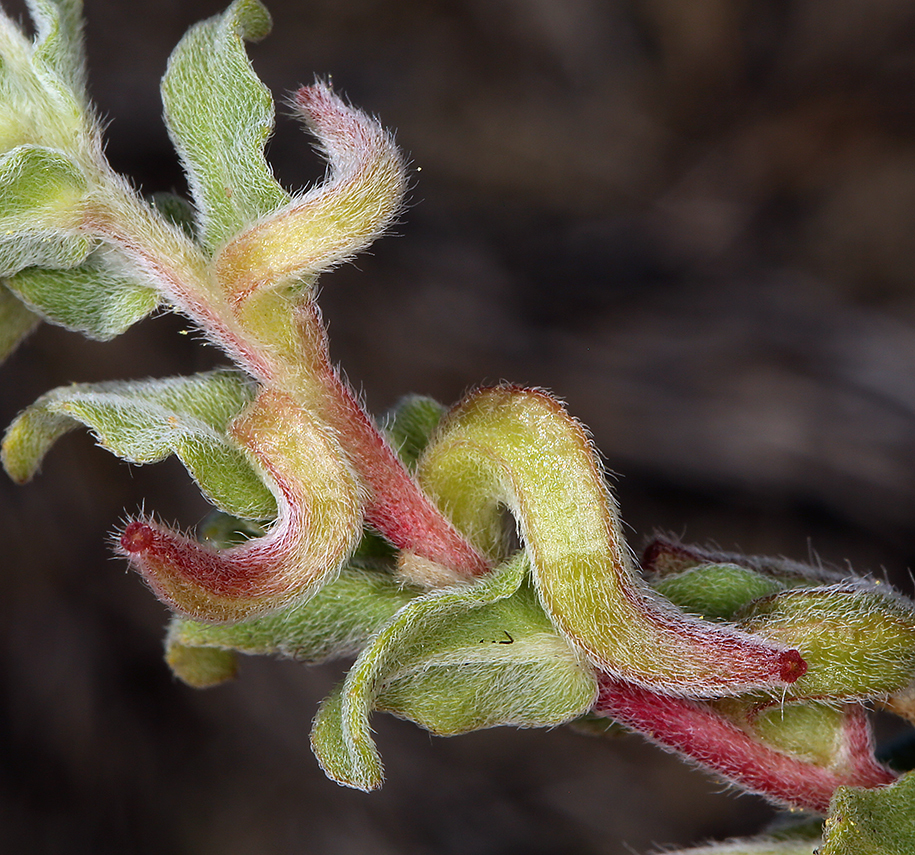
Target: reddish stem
(701,734)
(397,506)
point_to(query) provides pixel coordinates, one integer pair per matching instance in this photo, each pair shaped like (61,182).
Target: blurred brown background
(694,220)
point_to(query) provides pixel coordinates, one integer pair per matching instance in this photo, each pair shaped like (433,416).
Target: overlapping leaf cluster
(394,543)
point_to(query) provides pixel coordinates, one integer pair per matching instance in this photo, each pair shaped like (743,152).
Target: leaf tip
(137,537)
(201,667)
(792,666)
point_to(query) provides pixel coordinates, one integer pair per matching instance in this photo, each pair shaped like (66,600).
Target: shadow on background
(692,221)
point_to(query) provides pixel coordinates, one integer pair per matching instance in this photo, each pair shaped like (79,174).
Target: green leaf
(98,298)
(454,661)
(409,425)
(16,321)
(858,641)
(809,730)
(176,210)
(337,621)
(519,449)
(59,40)
(41,196)
(220,116)
(146,421)
(665,556)
(201,667)
(361,195)
(41,83)
(716,591)
(825,734)
(872,822)
(223,531)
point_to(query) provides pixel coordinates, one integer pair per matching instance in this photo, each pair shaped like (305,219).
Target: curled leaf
(358,200)
(59,40)
(42,192)
(665,556)
(518,448)
(395,504)
(42,82)
(16,321)
(699,732)
(410,425)
(832,736)
(100,298)
(858,640)
(872,822)
(201,667)
(318,523)
(716,591)
(454,660)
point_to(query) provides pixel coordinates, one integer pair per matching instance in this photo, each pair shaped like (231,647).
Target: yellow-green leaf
(514,448)
(97,298)
(337,621)
(41,197)
(872,822)
(858,640)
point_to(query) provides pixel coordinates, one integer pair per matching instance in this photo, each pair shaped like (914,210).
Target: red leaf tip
(137,537)
(791,666)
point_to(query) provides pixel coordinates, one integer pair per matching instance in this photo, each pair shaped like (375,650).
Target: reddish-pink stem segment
(701,734)
(397,506)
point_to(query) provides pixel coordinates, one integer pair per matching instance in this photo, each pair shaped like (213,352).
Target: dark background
(691,219)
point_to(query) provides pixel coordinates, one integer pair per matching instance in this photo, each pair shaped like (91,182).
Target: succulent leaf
(41,196)
(858,640)
(330,223)
(59,40)
(698,731)
(99,298)
(336,622)
(872,822)
(833,736)
(318,523)
(715,591)
(409,426)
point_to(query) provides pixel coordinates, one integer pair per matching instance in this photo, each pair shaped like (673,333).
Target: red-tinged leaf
(698,732)
(518,448)
(318,524)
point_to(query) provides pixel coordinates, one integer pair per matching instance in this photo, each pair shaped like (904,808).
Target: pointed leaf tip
(137,537)
(791,666)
